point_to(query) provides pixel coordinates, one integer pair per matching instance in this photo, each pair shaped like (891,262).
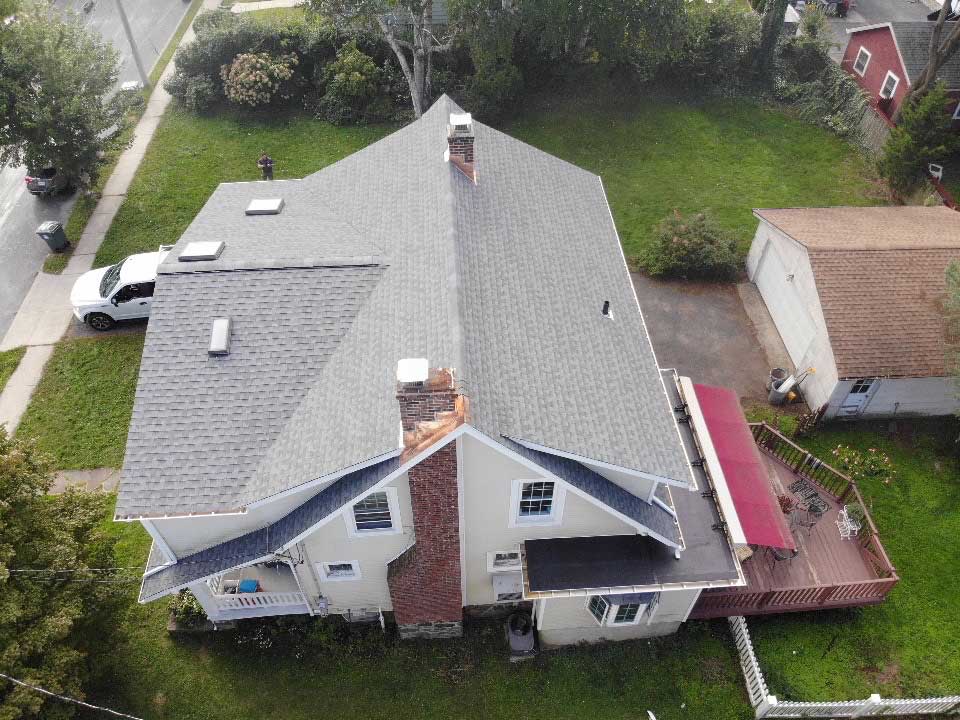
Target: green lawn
(9,359)
(656,154)
(81,410)
(150,674)
(190,155)
(910,645)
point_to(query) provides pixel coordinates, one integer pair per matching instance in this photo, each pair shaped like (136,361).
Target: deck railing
(246,601)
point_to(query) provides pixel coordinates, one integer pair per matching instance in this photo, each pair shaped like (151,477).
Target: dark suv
(47,182)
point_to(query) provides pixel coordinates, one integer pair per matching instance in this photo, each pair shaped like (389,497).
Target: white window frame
(896,84)
(956,112)
(396,526)
(492,556)
(614,609)
(323,568)
(606,613)
(862,51)
(556,508)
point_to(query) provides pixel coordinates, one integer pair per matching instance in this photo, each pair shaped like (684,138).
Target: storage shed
(858,294)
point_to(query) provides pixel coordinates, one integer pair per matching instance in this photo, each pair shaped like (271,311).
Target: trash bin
(53,234)
(777,376)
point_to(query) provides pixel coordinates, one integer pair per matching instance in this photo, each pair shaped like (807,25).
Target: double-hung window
(377,513)
(626,614)
(862,61)
(889,86)
(536,502)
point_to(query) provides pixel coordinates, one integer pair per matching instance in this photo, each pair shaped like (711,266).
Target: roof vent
(205,250)
(605,310)
(220,337)
(269,206)
(411,370)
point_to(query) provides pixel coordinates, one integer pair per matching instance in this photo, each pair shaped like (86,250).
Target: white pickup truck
(120,292)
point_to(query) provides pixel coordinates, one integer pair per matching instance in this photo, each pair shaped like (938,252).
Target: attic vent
(605,311)
(220,337)
(270,206)
(196,251)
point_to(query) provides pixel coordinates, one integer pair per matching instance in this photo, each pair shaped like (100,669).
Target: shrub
(924,135)
(873,464)
(716,48)
(813,22)
(187,610)
(352,81)
(255,78)
(194,92)
(494,88)
(694,247)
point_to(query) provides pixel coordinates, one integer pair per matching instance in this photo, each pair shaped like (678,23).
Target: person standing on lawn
(265,163)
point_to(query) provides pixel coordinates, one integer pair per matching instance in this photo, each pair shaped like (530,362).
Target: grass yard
(190,155)
(910,645)
(656,154)
(691,676)
(9,359)
(81,410)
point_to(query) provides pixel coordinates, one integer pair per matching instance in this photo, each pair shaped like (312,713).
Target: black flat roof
(581,563)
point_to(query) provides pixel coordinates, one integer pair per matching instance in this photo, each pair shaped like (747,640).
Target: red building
(885,58)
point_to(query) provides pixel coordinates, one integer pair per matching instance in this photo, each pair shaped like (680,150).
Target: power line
(64,698)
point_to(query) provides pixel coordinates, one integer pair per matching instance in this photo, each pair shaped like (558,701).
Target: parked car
(123,291)
(47,181)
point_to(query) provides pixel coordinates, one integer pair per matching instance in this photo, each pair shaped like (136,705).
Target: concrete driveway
(870,12)
(703,331)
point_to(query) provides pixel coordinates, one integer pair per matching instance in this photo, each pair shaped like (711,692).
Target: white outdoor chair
(847,525)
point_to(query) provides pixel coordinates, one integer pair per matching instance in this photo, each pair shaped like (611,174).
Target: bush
(874,464)
(494,88)
(352,81)
(254,79)
(194,92)
(924,135)
(187,610)
(717,47)
(693,247)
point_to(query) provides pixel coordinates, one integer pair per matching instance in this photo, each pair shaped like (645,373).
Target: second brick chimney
(425,580)
(460,144)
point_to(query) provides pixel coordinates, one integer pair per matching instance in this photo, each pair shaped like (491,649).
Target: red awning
(743,470)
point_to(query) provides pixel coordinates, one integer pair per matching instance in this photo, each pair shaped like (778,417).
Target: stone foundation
(431,630)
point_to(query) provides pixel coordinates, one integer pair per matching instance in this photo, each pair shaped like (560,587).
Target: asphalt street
(153,23)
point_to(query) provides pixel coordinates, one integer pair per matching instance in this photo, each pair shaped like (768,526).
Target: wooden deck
(828,571)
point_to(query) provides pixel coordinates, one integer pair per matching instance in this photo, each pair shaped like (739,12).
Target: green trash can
(52,233)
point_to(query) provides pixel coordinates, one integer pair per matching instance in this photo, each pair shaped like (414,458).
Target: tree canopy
(49,606)
(56,84)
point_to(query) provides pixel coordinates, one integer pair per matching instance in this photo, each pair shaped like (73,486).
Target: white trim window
(339,570)
(627,614)
(598,606)
(500,561)
(376,514)
(862,61)
(536,502)
(889,88)
(956,112)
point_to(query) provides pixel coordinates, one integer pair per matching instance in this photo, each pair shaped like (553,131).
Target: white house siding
(487,478)
(188,535)
(332,542)
(814,350)
(567,620)
(904,396)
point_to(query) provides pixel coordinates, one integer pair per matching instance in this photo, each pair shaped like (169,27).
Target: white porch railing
(767,706)
(247,601)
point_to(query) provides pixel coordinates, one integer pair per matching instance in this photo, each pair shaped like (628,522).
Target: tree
(408,28)
(938,54)
(55,84)
(771,25)
(48,618)
(924,135)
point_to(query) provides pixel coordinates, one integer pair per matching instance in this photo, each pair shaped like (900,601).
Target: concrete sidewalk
(45,313)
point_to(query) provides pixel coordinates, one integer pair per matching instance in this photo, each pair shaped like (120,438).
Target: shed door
(785,304)
(858,398)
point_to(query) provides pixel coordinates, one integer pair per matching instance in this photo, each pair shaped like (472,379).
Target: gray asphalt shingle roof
(913,39)
(392,253)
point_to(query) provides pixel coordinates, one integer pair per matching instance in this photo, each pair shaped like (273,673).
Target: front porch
(253,591)
(828,571)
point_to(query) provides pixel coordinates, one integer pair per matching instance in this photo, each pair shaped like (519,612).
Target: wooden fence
(766,705)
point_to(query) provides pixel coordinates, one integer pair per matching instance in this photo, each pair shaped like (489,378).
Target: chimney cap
(461,122)
(410,370)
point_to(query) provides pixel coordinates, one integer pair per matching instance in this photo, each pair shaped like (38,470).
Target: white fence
(767,705)
(245,601)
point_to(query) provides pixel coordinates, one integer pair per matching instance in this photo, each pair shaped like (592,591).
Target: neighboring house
(857,293)
(417,382)
(885,58)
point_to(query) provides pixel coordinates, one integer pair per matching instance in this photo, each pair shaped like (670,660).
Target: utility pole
(133,46)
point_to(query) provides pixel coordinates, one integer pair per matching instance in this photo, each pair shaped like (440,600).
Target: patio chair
(848,526)
(778,555)
(808,515)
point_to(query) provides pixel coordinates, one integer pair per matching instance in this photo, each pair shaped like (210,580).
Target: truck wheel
(99,321)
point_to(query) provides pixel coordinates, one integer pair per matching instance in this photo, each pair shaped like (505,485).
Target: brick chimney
(425,580)
(460,144)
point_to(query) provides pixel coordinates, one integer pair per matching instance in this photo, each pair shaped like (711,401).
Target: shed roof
(880,274)
(392,253)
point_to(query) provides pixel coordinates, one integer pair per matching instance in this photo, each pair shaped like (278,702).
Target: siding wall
(906,396)
(819,386)
(884,57)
